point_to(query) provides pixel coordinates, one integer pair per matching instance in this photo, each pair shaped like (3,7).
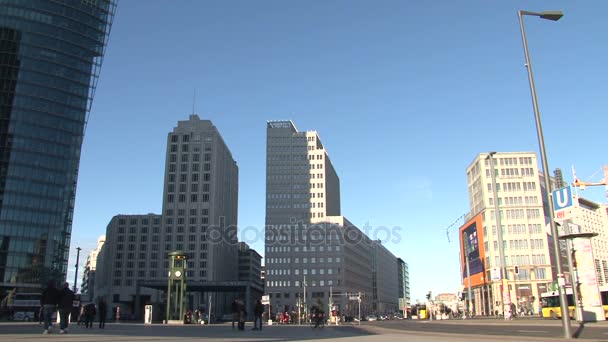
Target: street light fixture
(554,16)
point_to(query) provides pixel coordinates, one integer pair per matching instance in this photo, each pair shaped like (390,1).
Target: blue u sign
(562,198)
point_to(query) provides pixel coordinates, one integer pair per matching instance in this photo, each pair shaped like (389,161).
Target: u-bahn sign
(562,203)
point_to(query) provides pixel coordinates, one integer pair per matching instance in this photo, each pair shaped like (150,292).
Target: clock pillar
(176,287)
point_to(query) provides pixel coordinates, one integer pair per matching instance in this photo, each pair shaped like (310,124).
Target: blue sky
(404,95)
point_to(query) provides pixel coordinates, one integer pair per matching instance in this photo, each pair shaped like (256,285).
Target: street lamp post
(499,233)
(554,16)
(78,249)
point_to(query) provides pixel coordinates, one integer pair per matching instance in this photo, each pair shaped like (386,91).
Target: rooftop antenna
(194,101)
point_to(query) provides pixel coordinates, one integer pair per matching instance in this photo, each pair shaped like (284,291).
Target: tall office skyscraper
(200,207)
(313,254)
(50,56)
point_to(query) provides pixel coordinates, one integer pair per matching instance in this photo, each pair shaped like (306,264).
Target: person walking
(242,315)
(66,301)
(235,312)
(513,311)
(103,312)
(258,310)
(89,315)
(48,302)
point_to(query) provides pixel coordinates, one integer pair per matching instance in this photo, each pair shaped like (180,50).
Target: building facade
(525,239)
(403,285)
(384,279)
(199,217)
(51,53)
(90,267)
(592,217)
(314,255)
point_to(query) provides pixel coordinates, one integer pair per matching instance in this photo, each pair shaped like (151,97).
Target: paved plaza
(457,331)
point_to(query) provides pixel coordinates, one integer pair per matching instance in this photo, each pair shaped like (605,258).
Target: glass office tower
(50,55)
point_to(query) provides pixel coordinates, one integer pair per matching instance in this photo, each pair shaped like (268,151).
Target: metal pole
(209,317)
(76,273)
(501,250)
(359,308)
(305,305)
(547,184)
(578,313)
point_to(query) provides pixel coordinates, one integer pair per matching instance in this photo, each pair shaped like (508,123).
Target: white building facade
(523,221)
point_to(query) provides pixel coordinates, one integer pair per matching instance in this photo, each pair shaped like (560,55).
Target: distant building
(88,274)
(250,270)
(384,280)
(403,284)
(250,264)
(313,254)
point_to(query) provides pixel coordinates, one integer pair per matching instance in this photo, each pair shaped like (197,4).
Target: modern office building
(384,279)
(50,57)
(403,285)
(525,239)
(90,268)
(314,256)
(199,217)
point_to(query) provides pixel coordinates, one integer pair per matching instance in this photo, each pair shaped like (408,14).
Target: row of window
(155,247)
(303,249)
(511,161)
(182,198)
(305,271)
(296,260)
(533,228)
(313,283)
(152,274)
(196,157)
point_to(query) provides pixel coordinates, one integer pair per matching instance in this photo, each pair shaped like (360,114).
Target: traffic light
(580,184)
(428,295)
(533,298)
(516,269)
(462,296)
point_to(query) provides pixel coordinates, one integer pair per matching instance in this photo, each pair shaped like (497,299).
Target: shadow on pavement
(158,332)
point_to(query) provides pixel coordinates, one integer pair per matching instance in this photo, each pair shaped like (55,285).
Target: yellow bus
(420,311)
(551,307)
(604,294)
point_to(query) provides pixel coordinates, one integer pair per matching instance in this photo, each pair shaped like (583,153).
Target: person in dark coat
(103,312)
(235,312)
(66,302)
(258,311)
(89,315)
(48,302)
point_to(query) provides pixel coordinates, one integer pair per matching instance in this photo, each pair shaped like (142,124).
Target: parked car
(372,318)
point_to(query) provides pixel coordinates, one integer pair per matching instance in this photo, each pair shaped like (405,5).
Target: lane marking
(532,331)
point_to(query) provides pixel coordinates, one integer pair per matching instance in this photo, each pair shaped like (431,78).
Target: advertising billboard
(472,249)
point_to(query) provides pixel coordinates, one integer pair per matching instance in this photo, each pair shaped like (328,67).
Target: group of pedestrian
(239,314)
(63,300)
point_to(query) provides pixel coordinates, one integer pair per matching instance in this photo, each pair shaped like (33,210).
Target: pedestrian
(235,312)
(48,302)
(242,315)
(258,310)
(513,310)
(89,315)
(103,312)
(66,302)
